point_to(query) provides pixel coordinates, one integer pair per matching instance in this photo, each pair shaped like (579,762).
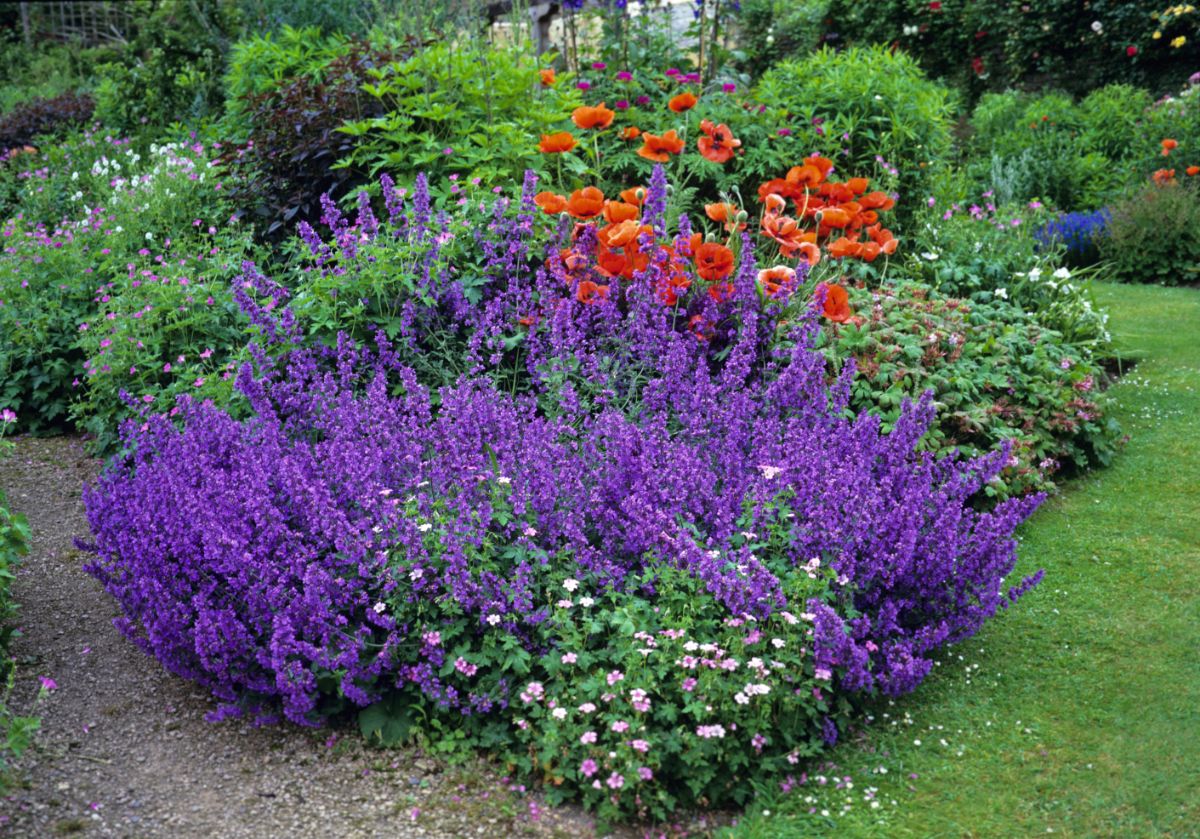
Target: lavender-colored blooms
(247,555)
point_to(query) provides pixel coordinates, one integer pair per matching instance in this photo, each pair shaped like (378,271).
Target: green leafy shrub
(127,216)
(992,46)
(474,111)
(982,253)
(772,30)
(876,107)
(15,731)
(1154,235)
(996,375)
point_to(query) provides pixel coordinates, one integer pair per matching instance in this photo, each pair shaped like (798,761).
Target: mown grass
(1077,712)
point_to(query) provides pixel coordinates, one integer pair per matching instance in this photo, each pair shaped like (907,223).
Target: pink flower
(569,658)
(620,726)
(640,746)
(48,684)
(614,677)
(588,768)
(644,773)
(588,738)
(689,685)
(615,781)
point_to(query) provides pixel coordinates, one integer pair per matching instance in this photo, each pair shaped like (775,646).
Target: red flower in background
(718,143)
(713,262)
(1131,51)
(837,303)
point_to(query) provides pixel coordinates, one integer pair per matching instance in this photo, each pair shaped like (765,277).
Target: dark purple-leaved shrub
(28,121)
(363,534)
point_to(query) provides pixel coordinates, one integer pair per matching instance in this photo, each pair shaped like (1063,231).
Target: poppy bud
(741,216)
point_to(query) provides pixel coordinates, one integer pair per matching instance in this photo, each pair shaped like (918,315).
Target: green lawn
(1077,712)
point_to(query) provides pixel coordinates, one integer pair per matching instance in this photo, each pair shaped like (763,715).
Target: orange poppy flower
(721,292)
(630,132)
(725,214)
(785,231)
(1163,177)
(718,143)
(551,202)
(547,77)
(610,262)
(573,260)
(842,248)
(593,117)
(714,262)
(1168,145)
(835,217)
(1193,170)
(586,203)
(633,195)
(806,175)
(809,252)
(660,149)
(590,293)
(884,238)
(858,185)
(617,211)
(877,201)
(683,102)
(620,235)
(774,280)
(837,303)
(558,143)
(778,186)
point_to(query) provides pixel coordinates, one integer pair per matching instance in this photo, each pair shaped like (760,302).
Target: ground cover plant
(465,566)
(641,416)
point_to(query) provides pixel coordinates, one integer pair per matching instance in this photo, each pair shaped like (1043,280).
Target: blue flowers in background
(1079,232)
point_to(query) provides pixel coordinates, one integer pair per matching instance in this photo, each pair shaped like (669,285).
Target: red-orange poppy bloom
(630,132)
(726,215)
(837,303)
(806,175)
(683,102)
(858,185)
(660,149)
(586,203)
(721,292)
(590,293)
(884,238)
(547,77)
(835,217)
(1163,177)
(713,262)
(718,143)
(573,260)
(877,201)
(599,116)
(633,195)
(551,202)
(842,248)
(1168,145)
(619,235)
(563,141)
(775,280)
(1193,170)
(617,211)
(809,252)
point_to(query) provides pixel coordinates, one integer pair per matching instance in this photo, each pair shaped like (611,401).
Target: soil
(124,748)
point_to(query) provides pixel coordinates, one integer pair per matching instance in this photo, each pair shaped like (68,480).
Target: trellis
(79,21)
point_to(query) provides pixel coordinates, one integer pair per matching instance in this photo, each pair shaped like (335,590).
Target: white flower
(149,236)
(769,472)
(559,713)
(1035,273)
(493,619)
(1002,293)
(503,481)
(1097,27)
(379,608)
(1063,273)
(424,527)
(570,584)
(932,257)
(586,602)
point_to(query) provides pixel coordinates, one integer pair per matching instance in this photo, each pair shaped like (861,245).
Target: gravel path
(125,751)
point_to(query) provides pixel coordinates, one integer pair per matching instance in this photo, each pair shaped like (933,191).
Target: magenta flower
(615,781)
(624,76)
(588,768)
(48,684)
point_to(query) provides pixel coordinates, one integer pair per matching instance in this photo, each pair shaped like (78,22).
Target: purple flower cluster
(258,557)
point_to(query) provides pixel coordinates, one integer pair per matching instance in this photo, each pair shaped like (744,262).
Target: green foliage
(996,376)
(984,254)
(453,109)
(772,30)
(879,112)
(992,46)
(171,71)
(564,712)
(43,72)
(15,731)
(1154,235)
